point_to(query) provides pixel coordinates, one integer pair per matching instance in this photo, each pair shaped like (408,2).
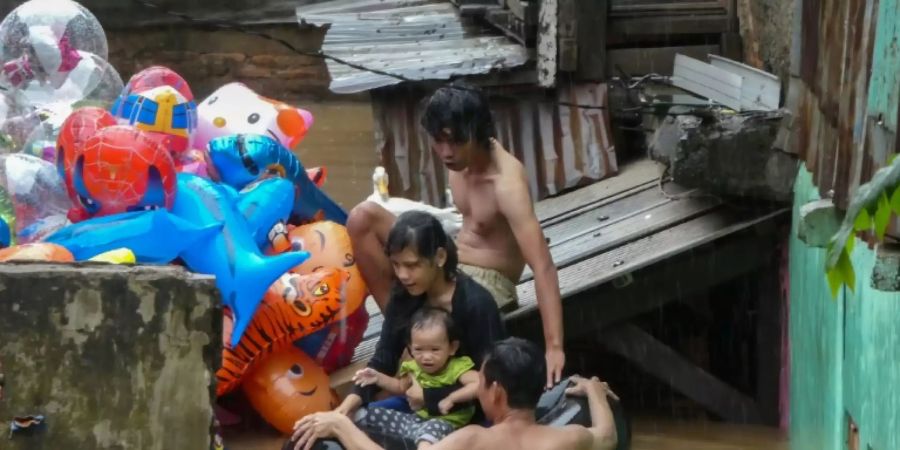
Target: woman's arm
(468,392)
(388,350)
(480,318)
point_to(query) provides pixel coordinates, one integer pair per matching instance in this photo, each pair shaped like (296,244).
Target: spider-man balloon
(78,128)
(121,169)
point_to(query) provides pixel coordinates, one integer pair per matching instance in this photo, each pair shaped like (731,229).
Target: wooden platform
(608,241)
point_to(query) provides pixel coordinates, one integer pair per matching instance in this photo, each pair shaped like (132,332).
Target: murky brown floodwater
(342,139)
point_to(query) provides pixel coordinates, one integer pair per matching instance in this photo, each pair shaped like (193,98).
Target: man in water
(510,384)
(500,232)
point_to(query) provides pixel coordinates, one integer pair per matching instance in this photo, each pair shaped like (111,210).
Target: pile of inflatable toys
(140,172)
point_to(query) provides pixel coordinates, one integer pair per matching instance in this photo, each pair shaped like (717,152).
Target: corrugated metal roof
(417,39)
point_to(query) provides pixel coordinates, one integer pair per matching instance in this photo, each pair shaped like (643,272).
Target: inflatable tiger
(294,306)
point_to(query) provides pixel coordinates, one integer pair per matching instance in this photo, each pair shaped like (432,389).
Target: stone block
(729,155)
(886,273)
(113,357)
(819,221)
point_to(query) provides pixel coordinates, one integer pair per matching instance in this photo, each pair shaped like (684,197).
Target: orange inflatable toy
(287,386)
(37,251)
(293,307)
(329,246)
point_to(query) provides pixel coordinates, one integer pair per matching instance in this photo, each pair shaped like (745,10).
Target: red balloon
(121,169)
(75,131)
(156,76)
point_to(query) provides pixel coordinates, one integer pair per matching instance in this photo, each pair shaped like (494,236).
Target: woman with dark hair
(424,263)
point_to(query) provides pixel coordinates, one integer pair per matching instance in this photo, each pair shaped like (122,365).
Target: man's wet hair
(429,316)
(464,110)
(517,365)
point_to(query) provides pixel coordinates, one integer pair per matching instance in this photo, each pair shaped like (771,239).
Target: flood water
(342,139)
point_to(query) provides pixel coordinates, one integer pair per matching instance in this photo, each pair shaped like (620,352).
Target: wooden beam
(769,304)
(568,35)
(657,359)
(598,302)
(592,40)
(547,47)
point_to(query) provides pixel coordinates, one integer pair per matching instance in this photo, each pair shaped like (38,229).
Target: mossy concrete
(113,357)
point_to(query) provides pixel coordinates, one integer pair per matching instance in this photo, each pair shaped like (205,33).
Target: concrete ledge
(819,221)
(113,357)
(886,273)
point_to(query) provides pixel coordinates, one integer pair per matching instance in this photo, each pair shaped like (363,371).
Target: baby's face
(431,348)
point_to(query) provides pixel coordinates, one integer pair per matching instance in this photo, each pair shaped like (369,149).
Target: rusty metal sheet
(836,124)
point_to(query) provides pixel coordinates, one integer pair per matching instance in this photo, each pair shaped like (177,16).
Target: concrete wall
(845,352)
(209,58)
(114,358)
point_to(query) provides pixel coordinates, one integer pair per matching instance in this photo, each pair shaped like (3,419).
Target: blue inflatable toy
(265,203)
(242,273)
(5,235)
(243,158)
(155,237)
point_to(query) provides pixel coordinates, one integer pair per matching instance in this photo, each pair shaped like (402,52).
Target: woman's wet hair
(422,233)
(517,365)
(463,109)
(429,316)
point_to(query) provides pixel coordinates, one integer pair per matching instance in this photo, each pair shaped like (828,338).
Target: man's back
(519,436)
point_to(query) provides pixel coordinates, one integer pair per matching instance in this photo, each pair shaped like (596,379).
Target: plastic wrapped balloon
(36,195)
(44,40)
(18,121)
(94,82)
(41,142)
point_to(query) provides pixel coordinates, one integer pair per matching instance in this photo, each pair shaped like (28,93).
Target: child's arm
(394,386)
(468,392)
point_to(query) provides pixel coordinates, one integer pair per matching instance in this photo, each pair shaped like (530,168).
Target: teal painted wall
(845,352)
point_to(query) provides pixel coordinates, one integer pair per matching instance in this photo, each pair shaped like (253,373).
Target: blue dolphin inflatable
(265,203)
(155,237)
(242,158)
(243,273)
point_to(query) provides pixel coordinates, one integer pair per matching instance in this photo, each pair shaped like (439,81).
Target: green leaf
(848,247)
(882,216)
(895,201)
(845,267)
(863,221)
(834,281)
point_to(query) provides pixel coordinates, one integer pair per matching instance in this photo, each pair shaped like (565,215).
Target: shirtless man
(500,232)
(510,384)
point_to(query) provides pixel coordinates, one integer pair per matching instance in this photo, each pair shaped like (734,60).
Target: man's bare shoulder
(465,438)
(511,177)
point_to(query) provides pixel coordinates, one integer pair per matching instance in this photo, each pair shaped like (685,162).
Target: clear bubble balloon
(42,140)
(94,82)
(55,51)
(46,35)
(16,127)
(35,193)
